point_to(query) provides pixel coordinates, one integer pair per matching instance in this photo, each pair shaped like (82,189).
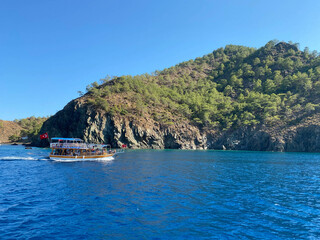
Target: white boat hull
(76,158)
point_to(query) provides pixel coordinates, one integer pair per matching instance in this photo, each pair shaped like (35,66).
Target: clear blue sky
(50,49)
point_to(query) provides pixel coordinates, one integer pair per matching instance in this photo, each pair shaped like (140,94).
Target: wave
(43,158)
(8,158)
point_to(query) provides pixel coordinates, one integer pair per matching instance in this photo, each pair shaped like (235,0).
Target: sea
(160,194)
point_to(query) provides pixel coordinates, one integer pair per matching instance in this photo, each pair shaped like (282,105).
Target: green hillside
(28,127)
(228,88)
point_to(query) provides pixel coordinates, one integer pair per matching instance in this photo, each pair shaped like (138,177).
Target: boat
(75,149)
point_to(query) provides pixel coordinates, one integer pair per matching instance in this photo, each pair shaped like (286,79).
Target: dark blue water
(160,195)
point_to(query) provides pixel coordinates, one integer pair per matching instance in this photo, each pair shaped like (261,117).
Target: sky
(51,49)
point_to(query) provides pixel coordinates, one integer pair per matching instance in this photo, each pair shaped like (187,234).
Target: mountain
(233,98)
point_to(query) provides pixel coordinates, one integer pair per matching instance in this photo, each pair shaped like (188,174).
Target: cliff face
(291,139)
(78,119)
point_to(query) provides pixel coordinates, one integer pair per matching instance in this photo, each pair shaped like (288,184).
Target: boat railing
(69,145)
(98,153)
(120,151)
(87,153)
(93,145)
(80,146)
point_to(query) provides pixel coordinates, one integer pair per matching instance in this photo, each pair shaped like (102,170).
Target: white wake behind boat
(75,149)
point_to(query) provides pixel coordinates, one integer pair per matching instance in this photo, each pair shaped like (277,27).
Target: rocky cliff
(78,119)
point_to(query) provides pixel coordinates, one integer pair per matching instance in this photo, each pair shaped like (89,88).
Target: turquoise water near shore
(160,194)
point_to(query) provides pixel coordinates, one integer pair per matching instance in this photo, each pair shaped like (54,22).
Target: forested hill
(27,128)
(231,92)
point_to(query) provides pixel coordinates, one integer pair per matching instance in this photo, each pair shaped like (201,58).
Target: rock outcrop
(77,119)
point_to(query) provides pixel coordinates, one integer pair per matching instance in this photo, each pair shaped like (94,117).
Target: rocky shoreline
(78,119)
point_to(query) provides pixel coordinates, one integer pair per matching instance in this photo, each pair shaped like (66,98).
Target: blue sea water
(168,194)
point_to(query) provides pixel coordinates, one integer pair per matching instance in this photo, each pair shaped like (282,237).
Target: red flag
(124,145)
(44,136)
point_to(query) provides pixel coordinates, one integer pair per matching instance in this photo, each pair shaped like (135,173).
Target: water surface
(168,194)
